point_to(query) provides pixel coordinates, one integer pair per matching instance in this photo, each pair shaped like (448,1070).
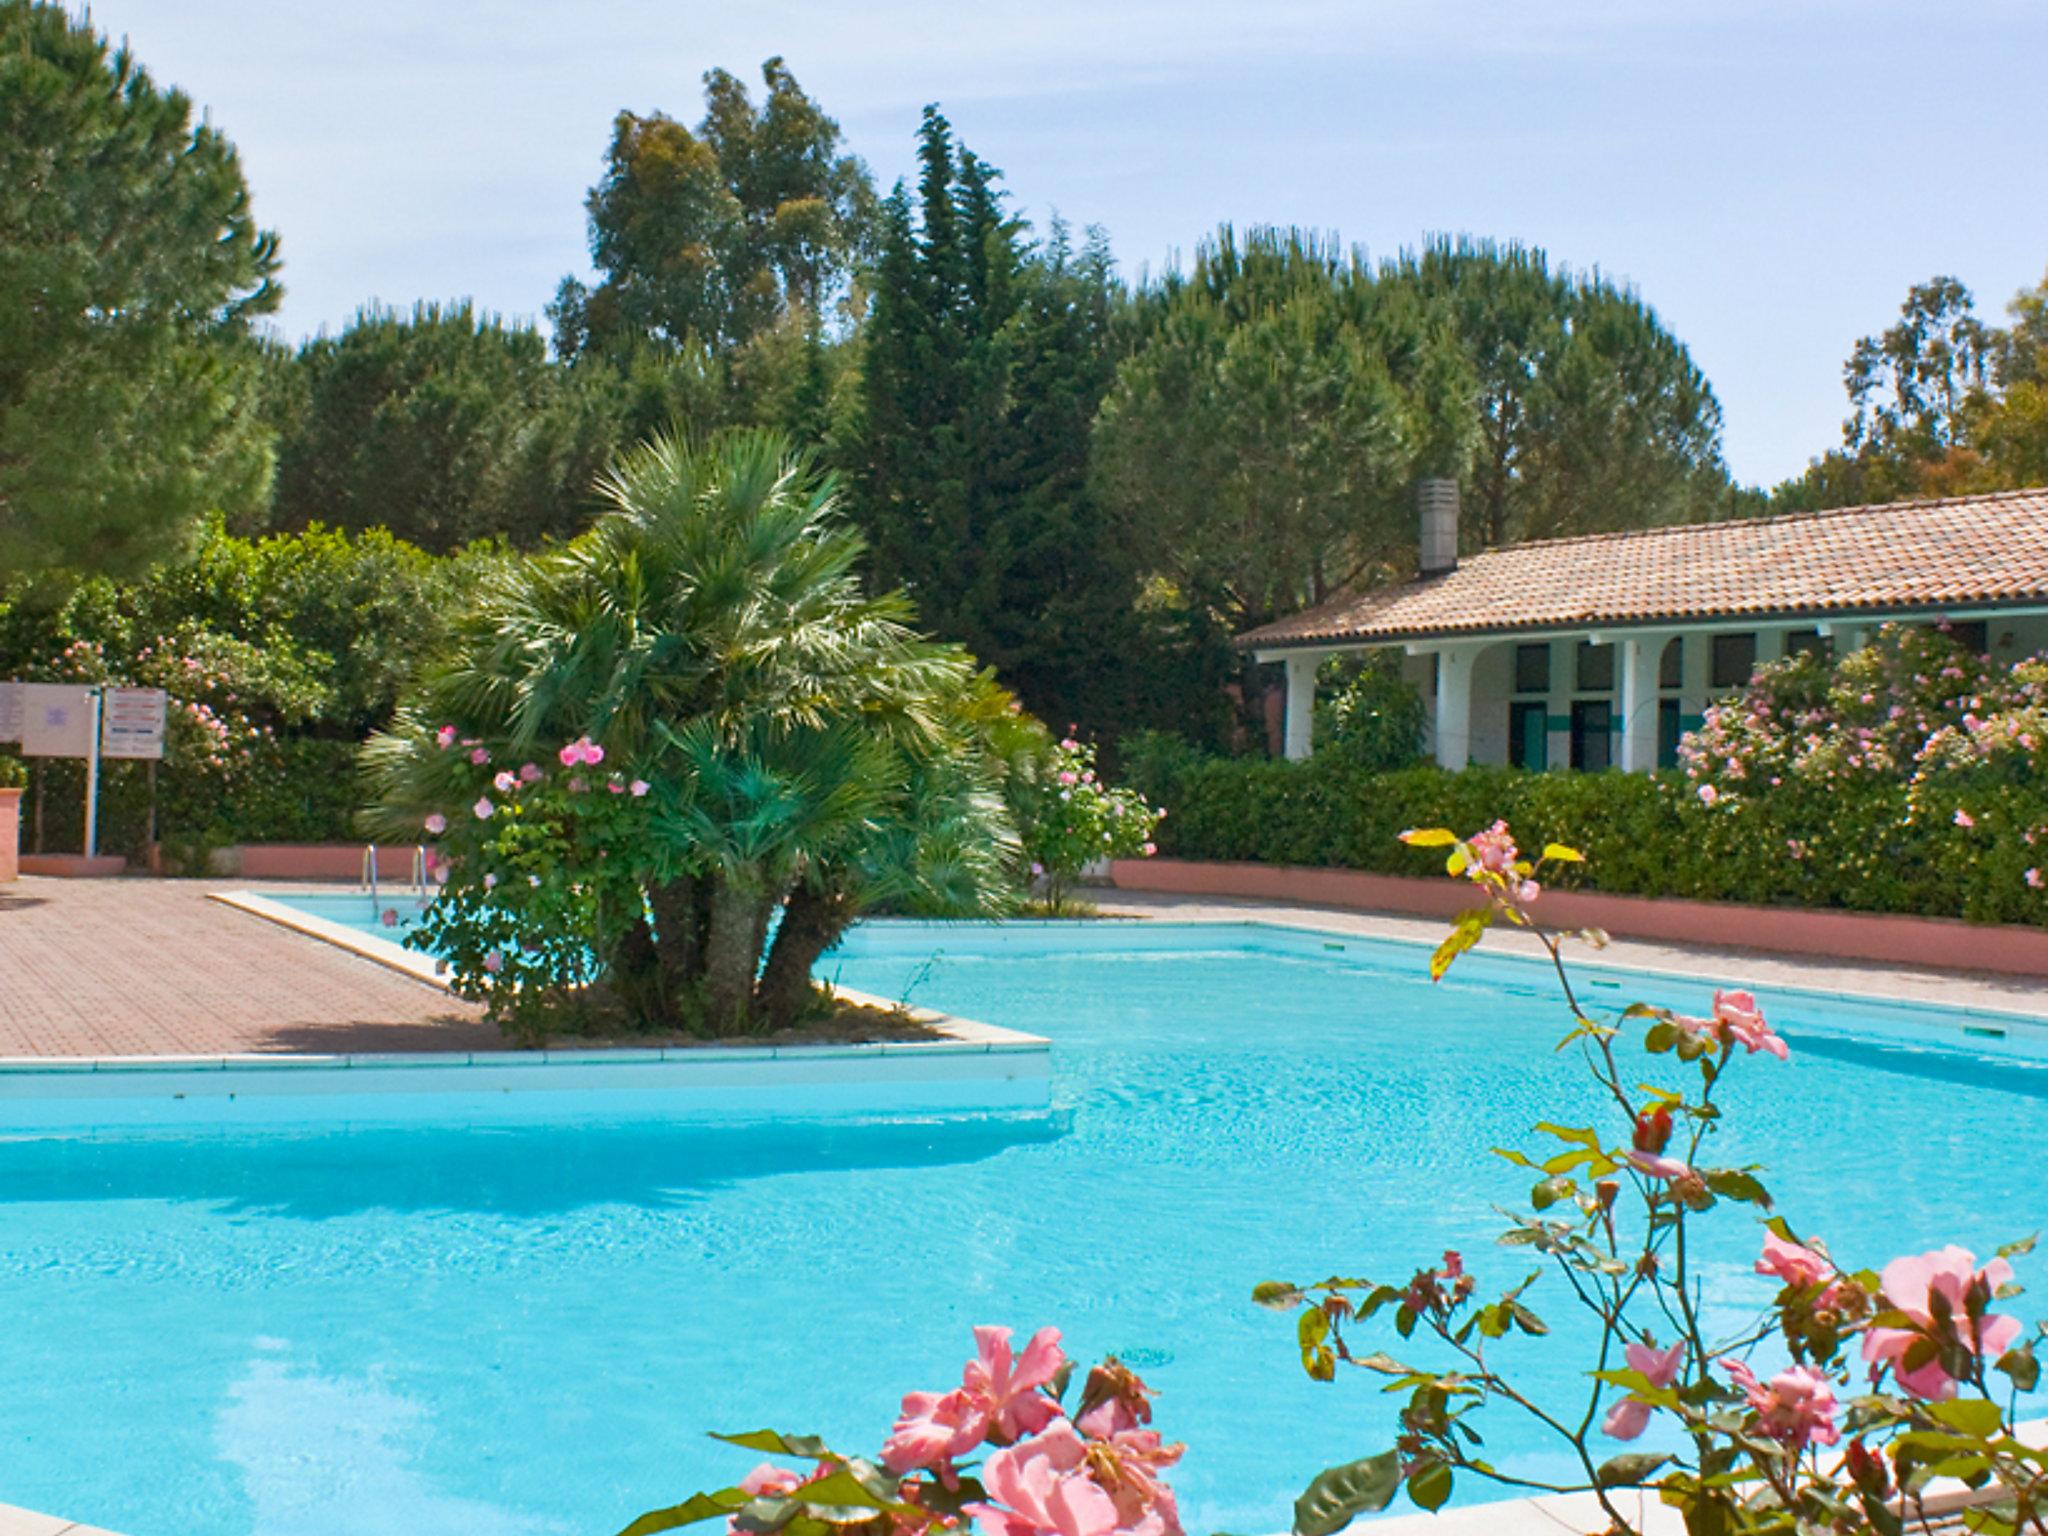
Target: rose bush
(1041,1471)
(1880,1382)
(1071,818)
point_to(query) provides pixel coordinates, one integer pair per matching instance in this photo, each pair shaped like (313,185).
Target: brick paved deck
(152,968)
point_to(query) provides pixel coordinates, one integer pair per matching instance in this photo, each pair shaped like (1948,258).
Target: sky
(1770,175)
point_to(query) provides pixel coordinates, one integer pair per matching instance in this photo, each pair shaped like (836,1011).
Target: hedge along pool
(451,1329)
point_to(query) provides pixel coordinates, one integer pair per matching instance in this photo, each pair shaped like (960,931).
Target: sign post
(88,721)
(130,725)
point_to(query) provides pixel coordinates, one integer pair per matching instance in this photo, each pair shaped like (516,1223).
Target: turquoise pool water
(327,1331)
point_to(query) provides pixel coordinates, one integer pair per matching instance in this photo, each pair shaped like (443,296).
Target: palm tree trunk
(812,922)
(732,954)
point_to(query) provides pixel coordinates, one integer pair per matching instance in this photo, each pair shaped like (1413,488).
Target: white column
(1640,658)
(1770,645)
(1301,704)
(1454,705)
(1850,637)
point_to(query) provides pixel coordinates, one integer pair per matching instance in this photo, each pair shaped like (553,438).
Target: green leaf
(1430,1485)
(1970,1415)
(2020,1364)
(1312,1328)
(1278,1295)
(775,1443)
(1734,1184)
(1628,1470)
(1465,932)
(1341,1494)
(2019,1247)
(697,1507)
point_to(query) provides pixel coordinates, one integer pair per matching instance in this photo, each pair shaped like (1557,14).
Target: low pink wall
(314,861)
(1939,943)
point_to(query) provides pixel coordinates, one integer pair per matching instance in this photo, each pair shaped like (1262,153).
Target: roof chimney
(1436,501)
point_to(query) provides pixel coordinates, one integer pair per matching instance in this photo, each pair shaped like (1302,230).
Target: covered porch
(1593,698)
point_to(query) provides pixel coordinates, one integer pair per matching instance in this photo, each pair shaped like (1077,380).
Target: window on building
(1592,735)
(1806,642)
(1670,726)
(1532,668)
(1671,665)
(1528,734)
(1734,660)
(1596,668)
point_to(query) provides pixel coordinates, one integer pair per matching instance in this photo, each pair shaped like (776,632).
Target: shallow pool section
(456,1329)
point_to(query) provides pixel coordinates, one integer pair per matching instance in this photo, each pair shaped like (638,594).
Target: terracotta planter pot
(10,834)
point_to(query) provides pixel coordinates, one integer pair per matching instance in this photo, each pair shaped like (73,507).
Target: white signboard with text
(56,719)
(132,722)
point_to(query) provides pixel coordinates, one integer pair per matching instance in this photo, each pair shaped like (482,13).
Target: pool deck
(153,968)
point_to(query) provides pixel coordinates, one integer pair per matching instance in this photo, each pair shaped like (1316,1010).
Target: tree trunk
(812,922)
(681,920)
(732,955)
(636,976)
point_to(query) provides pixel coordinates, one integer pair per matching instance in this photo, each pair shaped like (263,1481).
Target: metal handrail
(419,872)
(370,871)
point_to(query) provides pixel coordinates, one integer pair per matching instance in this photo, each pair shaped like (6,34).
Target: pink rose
(1625,1420)
(445,736)
(1001,1397)
(530,773)
(1964,819)
(480,756)
(1042,1488)
(1738,1018)
(1793,1263)
(506,782)
(436,823)
(2033,878)
(388,917)
(1657,1167)
(1797,1406)
(638,789)
(1910,1285)
(581,750)
(484,809)
(1709,794)
(490,882)
(494,960)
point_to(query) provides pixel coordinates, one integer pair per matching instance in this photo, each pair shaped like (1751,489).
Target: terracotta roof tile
(1913,556)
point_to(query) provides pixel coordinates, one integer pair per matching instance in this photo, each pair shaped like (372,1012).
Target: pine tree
(130,268)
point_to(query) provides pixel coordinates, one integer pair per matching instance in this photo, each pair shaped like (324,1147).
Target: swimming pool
(524,1329)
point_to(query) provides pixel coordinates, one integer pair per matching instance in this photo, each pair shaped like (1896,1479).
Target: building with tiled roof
(1602,650)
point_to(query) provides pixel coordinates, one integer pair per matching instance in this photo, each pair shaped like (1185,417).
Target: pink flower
(490,882)
(445,737)
(578,784)
(388,917)
(581,750)
(1738,1018)
(1910,1286)
(1797,1407)
(1011,1391)
(1149,849)
(616,787)
(530,773)
(484,809)
(1709,794)
(638,789)
(1000,1398)
(1494,849)
(1048,1486)
(506,781)
(1964,819)
(494,960)
(1625,1420)
(480,756)
(436,824)
(1793,1263)
(1068,776)
(2033,878)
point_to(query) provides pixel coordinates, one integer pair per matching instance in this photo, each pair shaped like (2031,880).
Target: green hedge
(1867,848)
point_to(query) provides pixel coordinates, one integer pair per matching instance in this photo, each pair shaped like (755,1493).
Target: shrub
(1071,819)
(1368,714)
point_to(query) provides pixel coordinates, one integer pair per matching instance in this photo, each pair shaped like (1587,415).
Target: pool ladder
(420,879)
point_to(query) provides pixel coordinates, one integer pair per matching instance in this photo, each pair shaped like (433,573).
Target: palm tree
(807,749)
